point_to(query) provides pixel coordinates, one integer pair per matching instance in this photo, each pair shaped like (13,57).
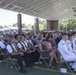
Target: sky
(9,18)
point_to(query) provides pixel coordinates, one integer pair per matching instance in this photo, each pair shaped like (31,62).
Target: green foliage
(4,26)
(42,25)
(68,24)
(24,25)
(1,27)
(29,26)
(33,27)
(15,25)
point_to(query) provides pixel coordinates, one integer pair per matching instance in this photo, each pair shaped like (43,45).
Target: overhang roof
(47,9)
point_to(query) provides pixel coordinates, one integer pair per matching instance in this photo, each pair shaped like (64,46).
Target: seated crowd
(27,47)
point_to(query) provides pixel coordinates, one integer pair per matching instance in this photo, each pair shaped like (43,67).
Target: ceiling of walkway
(47,9)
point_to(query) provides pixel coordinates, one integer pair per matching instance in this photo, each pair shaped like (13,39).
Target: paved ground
(30,71)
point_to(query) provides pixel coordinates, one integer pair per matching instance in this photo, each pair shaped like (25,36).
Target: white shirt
(9,48)
(69,45)
(74,44)
(63,49)
(20,46)
(30,41)
(27,40)
(2,45)
(26,43)
(14,47)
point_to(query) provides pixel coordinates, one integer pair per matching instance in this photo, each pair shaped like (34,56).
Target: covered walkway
(51,10)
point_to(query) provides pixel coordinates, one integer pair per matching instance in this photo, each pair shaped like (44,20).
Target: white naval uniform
(69,44)
(74,43)
(74,50)
(63,49)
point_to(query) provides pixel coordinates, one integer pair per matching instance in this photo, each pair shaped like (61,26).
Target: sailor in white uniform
(72,46)
(63,49)
(70,43)
(74,40)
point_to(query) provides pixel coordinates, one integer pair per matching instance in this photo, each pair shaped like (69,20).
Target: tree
(63,25)
(15,25)
(68,24)
(1,27)
(71,24)
(33,27)
(4,26)
(23,25)
(29,26)
(42,22)
(41,27)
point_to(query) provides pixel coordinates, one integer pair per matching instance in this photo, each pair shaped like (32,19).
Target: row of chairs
(61,61)
(8,59)
(12,60)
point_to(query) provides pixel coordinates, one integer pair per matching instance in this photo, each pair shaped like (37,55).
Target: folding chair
(13,62)
(62,60)
(43,58)
(8,59)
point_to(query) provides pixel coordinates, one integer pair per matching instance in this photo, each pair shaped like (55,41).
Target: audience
(49,47)
(14,53)
(28,46)
(66,51)
(44,51)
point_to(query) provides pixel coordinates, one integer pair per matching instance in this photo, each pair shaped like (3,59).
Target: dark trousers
(26,58)
(34,56)
(4,51)
(19,59)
